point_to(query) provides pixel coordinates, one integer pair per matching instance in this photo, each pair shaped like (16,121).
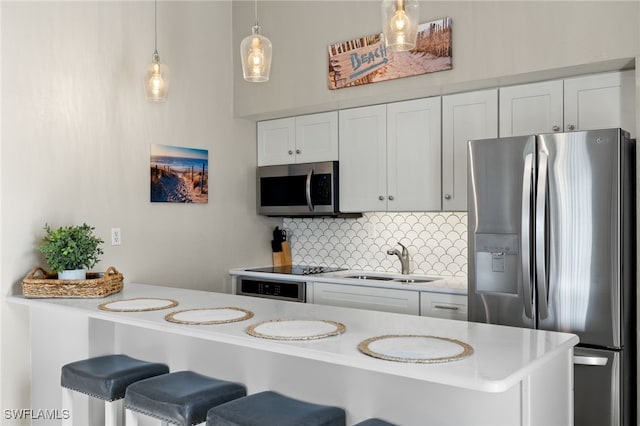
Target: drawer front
(372,298)
(441,305)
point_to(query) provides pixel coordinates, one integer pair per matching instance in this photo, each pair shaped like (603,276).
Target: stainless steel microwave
(307,189)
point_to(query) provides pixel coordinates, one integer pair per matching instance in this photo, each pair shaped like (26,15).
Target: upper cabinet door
(531,108)
(363,159)
(414,155)
(276,141)
(465,116)
(303,139)
(317,137)
(600,101)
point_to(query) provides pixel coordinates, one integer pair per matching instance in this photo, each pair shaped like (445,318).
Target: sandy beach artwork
(179,175)
(366,60)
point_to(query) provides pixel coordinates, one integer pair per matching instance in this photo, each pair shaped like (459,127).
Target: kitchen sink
(370,277)
(395,279)
(413,280)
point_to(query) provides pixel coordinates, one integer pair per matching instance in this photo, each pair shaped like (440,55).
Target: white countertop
(452,285)
(502,356)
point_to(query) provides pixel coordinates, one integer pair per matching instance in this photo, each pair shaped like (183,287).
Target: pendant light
(255,51)
(400,24)
(156,78)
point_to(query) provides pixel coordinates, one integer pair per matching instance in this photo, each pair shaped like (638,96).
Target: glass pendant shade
(400,24)
(255,51)
(156,80)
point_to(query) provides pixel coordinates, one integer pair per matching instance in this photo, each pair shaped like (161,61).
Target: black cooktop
(296,269)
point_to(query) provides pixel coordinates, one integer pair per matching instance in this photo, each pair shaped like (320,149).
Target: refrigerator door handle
(541,230)
(527,180)
(599,361)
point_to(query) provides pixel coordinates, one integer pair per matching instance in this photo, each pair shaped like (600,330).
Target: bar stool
(181,398)
(106,378)
(374,422)
(272,408)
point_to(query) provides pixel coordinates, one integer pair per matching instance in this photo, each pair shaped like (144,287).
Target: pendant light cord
(155,25)
(255,11)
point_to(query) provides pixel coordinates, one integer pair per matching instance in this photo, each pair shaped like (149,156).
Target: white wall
(494,43)
(76,132)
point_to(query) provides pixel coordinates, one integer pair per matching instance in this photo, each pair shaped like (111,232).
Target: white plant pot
(73,274)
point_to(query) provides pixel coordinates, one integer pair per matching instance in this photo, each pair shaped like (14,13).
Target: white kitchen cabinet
(600,101)
(363,158)
(302,139)
(276,141)
(362,297)
(414,158)
(390,157)
(443,305)
(594,101)
(531,108)
(465,116)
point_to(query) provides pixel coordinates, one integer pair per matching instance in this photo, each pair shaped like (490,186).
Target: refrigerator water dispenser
(497,263)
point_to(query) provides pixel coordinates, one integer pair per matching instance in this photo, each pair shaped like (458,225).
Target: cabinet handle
(298,151)
(451,308)
(290,152)
(447,196)
(381,197)
(390,197)
(556,128)
(571,127)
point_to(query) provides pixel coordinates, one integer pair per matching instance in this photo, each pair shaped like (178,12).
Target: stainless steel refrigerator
(552,232)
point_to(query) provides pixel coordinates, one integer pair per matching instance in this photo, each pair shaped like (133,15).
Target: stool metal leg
(112,412)
(130,418)
(67,407)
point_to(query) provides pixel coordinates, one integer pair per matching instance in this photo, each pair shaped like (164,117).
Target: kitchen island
(512,376)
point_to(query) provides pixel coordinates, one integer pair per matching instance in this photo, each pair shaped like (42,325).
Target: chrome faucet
(404,258)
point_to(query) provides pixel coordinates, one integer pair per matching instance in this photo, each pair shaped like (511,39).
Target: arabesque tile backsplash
(437,241)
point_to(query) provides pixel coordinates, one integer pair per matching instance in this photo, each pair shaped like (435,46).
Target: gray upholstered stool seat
(182,398)
(105,377)
(272,408)
(374,422)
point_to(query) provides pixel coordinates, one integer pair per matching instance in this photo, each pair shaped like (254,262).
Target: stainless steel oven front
(294,291)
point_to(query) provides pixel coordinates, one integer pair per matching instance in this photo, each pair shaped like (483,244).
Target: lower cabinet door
(372,298)
(443,305)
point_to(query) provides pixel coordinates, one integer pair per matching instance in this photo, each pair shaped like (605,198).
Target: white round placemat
(292,329)
(204,316)
(415,348)
(138,305)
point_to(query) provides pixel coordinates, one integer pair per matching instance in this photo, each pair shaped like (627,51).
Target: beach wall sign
(179,174)
(366,60)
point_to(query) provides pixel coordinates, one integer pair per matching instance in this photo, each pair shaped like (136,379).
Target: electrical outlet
(116,237)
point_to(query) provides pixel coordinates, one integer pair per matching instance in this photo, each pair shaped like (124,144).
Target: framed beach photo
(179,174)
(366,60)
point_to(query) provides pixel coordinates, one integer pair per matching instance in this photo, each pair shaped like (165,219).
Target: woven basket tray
(40,283)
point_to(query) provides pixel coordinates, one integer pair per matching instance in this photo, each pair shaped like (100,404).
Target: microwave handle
(308,190)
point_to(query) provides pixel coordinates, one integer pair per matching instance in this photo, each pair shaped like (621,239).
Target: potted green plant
(71,250)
